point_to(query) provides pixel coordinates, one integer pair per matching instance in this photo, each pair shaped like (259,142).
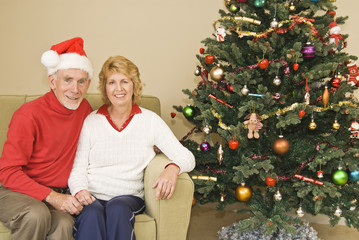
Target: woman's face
(119,89)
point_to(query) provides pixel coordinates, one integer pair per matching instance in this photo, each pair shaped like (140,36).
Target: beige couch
(163,219)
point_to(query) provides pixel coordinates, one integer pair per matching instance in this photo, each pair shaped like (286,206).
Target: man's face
(70,86)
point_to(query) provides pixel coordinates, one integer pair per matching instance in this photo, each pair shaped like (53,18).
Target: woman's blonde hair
(120,64)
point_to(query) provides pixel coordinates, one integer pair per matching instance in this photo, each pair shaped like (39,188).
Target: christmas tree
(274,105)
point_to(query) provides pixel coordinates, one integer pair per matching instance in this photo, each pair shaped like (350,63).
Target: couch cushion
(8,105)
(4,233)
(145,227)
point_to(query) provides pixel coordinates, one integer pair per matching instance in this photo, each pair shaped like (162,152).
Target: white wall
(161,37)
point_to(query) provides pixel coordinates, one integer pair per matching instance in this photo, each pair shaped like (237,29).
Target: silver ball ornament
(353,205)
(274,23)
(300,212)
(245,90)
(338,212)
(277,196)
(207,129)
(277,81)
(198,71)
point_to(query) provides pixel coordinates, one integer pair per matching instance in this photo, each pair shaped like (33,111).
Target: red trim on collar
(104,111)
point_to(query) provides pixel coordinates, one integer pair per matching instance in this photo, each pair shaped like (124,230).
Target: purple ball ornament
(205,146)
(308,51)
(242,1)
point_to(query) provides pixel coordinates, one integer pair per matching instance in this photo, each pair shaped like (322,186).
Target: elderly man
(41,145)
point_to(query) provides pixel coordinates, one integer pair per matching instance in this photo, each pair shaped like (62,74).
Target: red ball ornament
(271,181)
(201,50)
(194,200)
(233,144)
(263,64)
(230,88)
(301,113)
(295,66)
(209,59)
(331,13)
(336,82)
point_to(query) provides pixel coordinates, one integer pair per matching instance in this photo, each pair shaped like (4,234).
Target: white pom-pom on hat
(50,59)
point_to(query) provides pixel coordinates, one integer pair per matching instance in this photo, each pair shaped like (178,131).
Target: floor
(206,221)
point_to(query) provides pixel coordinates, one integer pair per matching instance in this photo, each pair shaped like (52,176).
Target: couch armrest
(172,216)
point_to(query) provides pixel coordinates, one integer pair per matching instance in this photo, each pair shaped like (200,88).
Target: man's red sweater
(41,146)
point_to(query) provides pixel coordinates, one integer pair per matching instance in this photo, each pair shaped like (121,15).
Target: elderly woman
(116,144)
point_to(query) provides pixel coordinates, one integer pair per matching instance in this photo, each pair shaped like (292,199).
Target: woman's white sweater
(110,163)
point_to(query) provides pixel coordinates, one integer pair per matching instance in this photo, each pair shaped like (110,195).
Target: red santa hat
(334,28)
(65,55)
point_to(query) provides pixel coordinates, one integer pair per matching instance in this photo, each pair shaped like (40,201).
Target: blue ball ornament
(354,176)
(314,1)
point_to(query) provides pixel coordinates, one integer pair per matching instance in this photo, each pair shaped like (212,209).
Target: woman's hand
(166,182)
(85,197)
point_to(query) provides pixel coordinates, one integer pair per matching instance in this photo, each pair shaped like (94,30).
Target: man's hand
(84,197)
(166,182)
(64,202)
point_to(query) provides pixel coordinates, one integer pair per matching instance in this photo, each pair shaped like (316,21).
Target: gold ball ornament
(340,76)
(292,7)
(217,73)
(281,145)
(312,125)
(243,193)
(336,125)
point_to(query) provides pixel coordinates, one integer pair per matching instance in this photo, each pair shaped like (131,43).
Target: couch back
(10,103)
